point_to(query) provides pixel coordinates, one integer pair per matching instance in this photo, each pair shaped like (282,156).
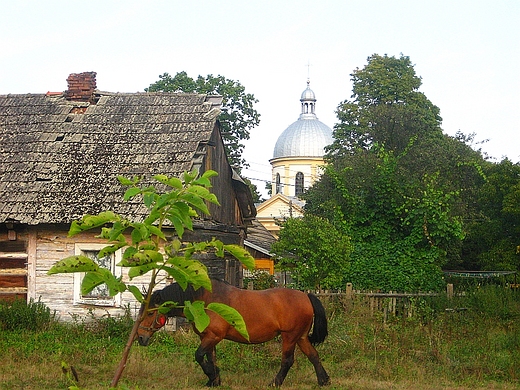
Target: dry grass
(458,351)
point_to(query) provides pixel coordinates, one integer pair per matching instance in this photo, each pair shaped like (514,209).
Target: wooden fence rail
(395,304)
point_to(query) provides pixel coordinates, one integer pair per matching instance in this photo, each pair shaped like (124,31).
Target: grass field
(478,348)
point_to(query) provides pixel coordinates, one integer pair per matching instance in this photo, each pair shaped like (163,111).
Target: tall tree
(238,115)
(386,108)
(397,185)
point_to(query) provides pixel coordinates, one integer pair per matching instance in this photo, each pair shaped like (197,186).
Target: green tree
(494,235)
(238,115)
(386,108)
(396,184)
(400,231)
(314,251)
(148,251)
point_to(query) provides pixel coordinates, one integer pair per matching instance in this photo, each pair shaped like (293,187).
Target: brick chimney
(81,87)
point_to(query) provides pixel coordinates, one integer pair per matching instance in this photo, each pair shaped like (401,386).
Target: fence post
(449,290)
(250,286)
(349,296)
(349,291)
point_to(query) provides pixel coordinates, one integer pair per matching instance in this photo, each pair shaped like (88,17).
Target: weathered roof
(59,158)
(259,238)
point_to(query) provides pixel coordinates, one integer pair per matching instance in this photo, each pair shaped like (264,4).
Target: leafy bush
(108,326)
(20,315)
(261,280)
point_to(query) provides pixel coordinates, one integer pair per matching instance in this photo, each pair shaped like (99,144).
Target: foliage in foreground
(147,251)
(476,348)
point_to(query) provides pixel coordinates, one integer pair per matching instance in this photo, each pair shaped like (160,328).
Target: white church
(296,164)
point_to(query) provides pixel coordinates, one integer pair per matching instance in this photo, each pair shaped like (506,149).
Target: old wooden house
(60,154)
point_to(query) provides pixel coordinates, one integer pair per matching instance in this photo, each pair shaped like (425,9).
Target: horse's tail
(319,329)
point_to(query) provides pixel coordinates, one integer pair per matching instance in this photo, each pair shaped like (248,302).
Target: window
(298,184)
(99,295)
(278,184)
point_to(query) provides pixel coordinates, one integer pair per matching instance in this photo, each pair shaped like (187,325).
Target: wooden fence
(389,304)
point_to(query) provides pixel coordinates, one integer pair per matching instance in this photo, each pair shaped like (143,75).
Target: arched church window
(278,184)
(299,184)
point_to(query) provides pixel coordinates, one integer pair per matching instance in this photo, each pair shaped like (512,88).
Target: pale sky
(467,53)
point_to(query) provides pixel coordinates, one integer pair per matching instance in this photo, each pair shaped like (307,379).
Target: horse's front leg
(206,357)
(287,362)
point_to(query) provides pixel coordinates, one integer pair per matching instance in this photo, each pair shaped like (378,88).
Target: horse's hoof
(214,383)
(324,382)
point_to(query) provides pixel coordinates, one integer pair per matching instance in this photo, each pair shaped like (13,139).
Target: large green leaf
(204,193)
(195,201)
(193,272)
(204,179)
(75,228)
(156,231)
(102,275)
(111,249)
(127,182)
(179,276)
(92,221)
(154,216)
(136,293)
(170,181)
(242,255)
(132,258)
(195,313)
(233,317)
(177,224)
(130,193)
(77,263)
(141,270)
(139,233)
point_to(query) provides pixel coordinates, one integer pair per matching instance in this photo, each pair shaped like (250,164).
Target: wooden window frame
(81,248)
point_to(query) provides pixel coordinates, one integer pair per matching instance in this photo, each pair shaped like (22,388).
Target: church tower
(296,164)
(299,150)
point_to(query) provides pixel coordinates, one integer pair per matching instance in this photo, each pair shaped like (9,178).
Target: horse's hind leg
(287,361)
(308,349)
(206,357)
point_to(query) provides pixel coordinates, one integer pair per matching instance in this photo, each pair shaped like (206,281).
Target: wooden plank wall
(13,266)
(57,291)
(24,264)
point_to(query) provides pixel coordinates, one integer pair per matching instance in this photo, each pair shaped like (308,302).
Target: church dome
(307,137)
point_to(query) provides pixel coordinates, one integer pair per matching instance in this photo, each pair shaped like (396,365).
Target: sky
(466,52)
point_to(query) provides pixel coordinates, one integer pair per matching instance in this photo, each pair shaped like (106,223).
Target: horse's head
(151,323)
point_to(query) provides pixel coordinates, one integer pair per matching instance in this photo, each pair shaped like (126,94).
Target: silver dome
(307,137)
(304,138)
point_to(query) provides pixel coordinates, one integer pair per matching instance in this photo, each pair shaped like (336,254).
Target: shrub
(20,315)
(261,280)
(110,326)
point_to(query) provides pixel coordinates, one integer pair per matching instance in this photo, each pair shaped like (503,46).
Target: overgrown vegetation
(469,342)
(410,199)
(20,315)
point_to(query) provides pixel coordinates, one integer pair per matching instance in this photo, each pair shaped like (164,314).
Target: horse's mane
(175,293)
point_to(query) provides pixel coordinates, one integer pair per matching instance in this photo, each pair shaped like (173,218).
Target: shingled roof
(59,158)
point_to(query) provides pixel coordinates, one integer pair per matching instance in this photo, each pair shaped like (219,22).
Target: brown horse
(267,313)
